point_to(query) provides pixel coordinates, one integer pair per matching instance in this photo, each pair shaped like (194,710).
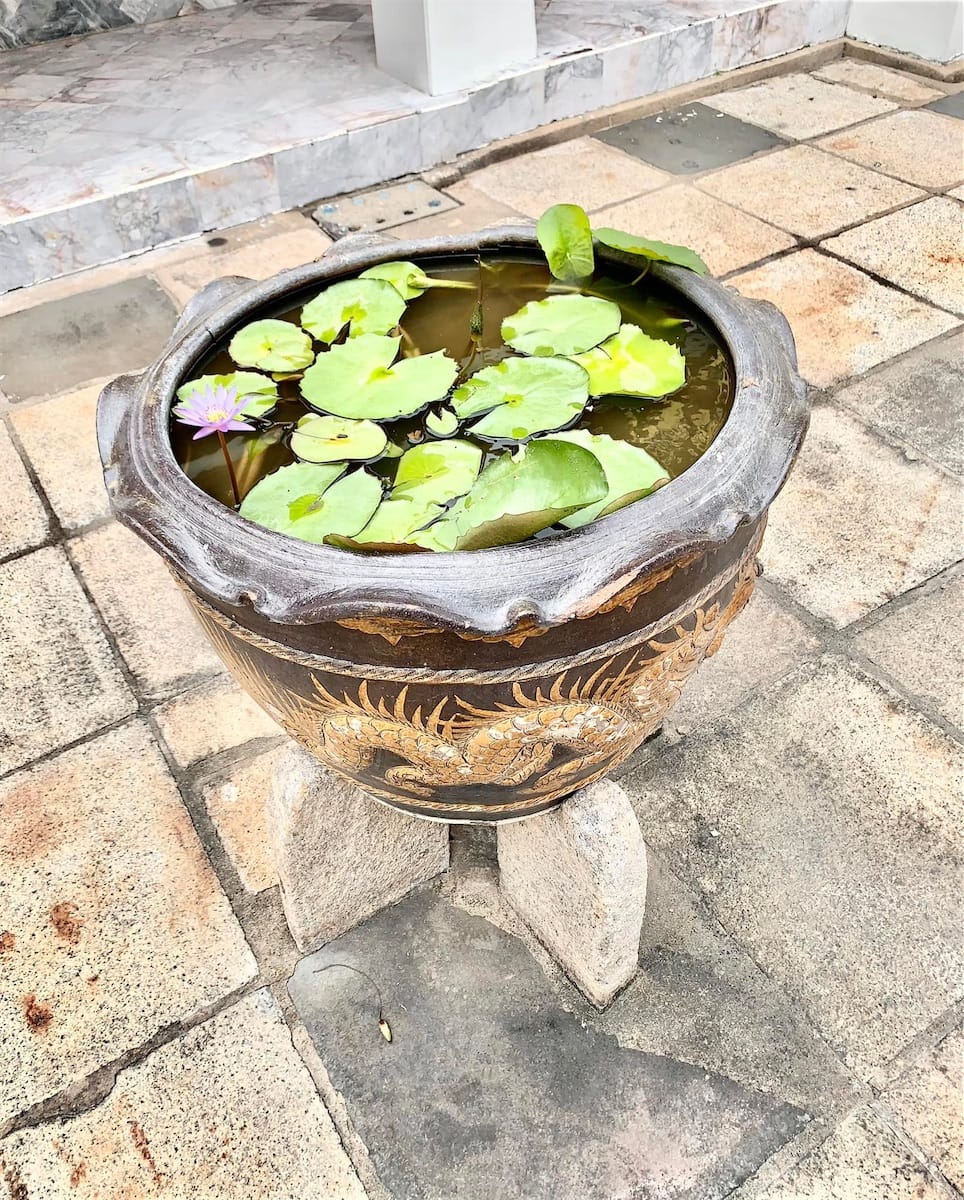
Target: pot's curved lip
(545,581)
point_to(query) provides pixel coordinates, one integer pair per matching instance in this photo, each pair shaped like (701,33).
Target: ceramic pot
(475,686)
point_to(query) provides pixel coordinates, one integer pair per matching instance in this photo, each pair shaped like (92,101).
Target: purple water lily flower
(215,409)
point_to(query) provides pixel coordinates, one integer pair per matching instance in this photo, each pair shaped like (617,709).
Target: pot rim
(545,582)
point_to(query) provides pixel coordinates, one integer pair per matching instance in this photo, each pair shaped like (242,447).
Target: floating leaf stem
(384,1028)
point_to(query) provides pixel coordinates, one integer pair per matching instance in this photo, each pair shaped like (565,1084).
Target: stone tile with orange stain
(919,146)
(842,320)
(114,924)
(226,1112)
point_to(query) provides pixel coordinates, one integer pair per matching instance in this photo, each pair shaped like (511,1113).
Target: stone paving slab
(475,211)
(878,81)
(489,1089)
(236,803)
(843,321)
(211,718)
(89,336)
(952,105)
(23,522)
(837,193)
(918,248)
(845,483)
(227,1112)
(60,676)
(917,399)
(724,237)
(892,144)
(114,923)
(155,630)
(821,822)
(799,106)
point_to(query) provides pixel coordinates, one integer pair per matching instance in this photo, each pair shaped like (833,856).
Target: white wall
(932,29)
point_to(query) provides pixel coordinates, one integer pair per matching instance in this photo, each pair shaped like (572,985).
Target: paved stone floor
(795,1032)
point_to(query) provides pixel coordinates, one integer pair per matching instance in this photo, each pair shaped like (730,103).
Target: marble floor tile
(799,106)
(893,144)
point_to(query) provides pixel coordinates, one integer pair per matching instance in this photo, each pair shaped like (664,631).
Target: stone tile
(912,645)
(843,321)
(892,144)
(918,248)
(51,348)
(927,1101)
(214,717)
(917,399)
(524,1099)
(475,211)
(236,803)
(241,191)
(837,193)
(62,682)
(59,438)
(155,630)
(116,924)
(822,825)
(952,105)
(861,1160)
(724,237)
(879,81)
(690,139)
(858,523)
(228,1111)
(71,285)
(380,210)
(583,172)
(23,522)
(799,106)
(957,193)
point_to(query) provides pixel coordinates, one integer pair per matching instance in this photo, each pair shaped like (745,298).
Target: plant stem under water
(230,466)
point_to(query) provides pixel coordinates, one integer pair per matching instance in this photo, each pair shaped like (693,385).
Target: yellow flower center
(217,414)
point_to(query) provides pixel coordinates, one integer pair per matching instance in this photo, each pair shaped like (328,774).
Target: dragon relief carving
(593,717)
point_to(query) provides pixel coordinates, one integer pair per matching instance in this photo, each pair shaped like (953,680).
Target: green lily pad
(272,346)
(409,280)
(357,379)
(681,256)
(441,424)
(633,364)
(260,392)
(310,501)
(631,474)
(337,439)
(364,305)
(518,495)
(523,396)
(561,325)
(566,240)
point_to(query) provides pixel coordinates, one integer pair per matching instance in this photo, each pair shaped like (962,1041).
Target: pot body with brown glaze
(483,685)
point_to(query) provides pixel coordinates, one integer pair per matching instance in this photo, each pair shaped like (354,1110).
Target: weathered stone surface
(60,677)
(156,632)
(918,248)
(919,645)
(927,1101)
(237,803)
(843,321)
(216,716)
(892,144)
(113,923)
(53,347)
(880,81)
(490,1089)
(861,1160)
(857,523)
(822,824)
(577,877)
(799,106)
(918,400)
(475,211)
(340,855)
(23,522)
(227,1112)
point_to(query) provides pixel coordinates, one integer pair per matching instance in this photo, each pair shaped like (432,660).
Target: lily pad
(272,346)
(633,364)
(364,305)
(681,256)
(522,397)
(410,280)
(566,240)
(337,439)
(518,495)
(441,424)
(263,392)
(357,379)
(631,474)
(310,501)
(561,325)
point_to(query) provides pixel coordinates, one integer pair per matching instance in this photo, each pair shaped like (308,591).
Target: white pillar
(931,29)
